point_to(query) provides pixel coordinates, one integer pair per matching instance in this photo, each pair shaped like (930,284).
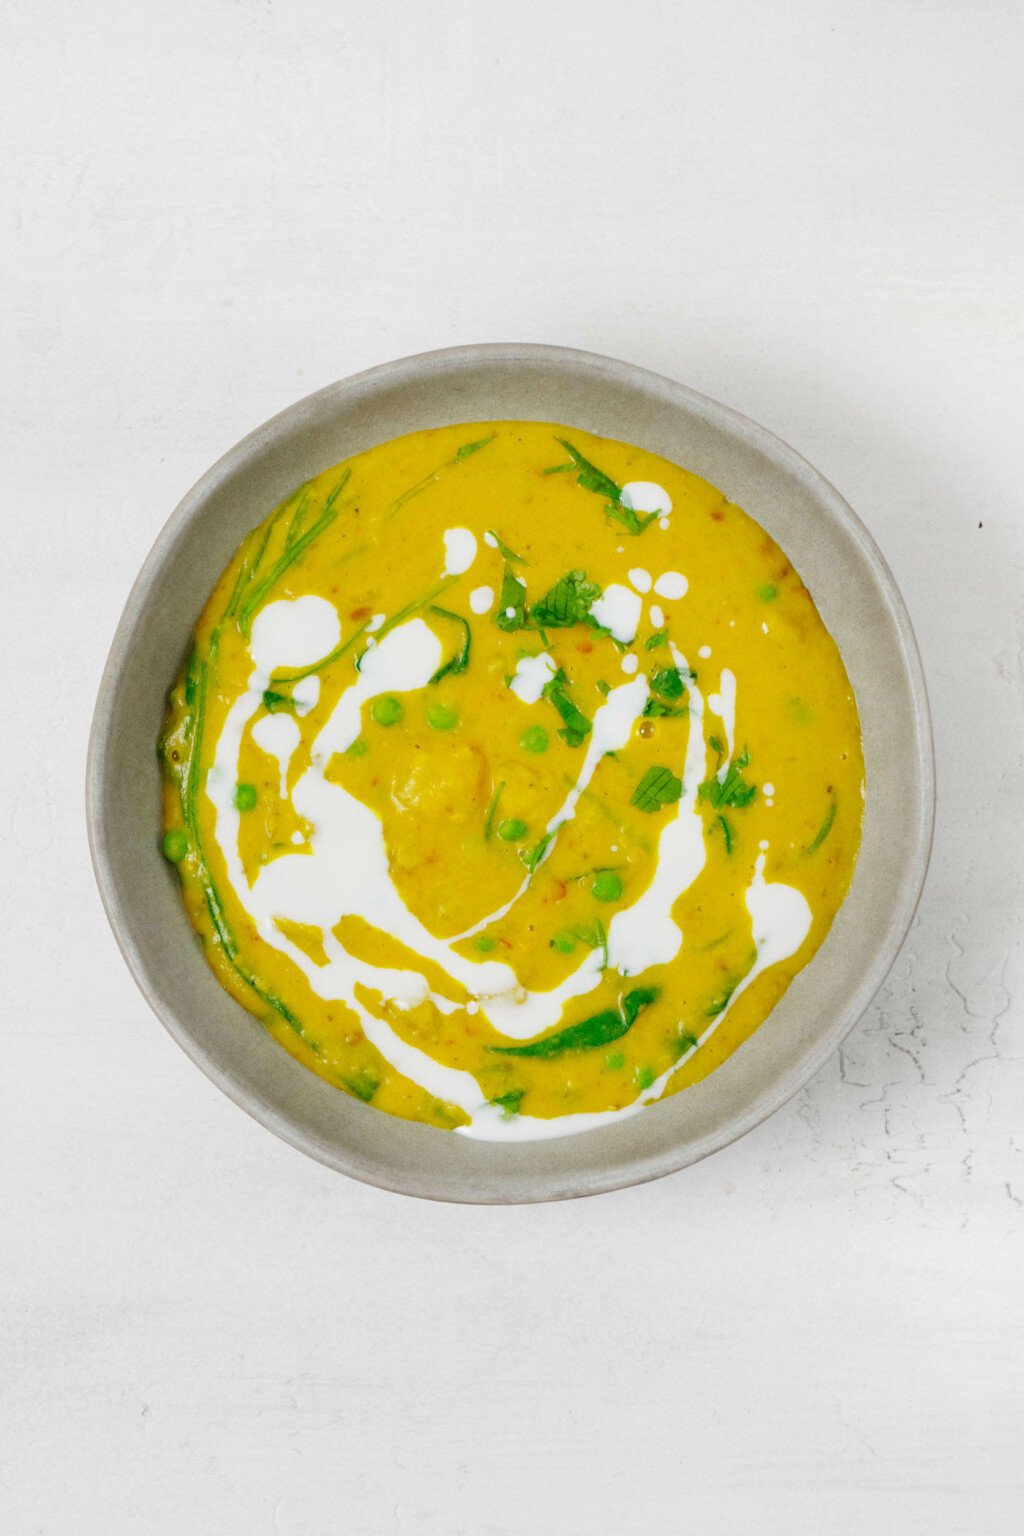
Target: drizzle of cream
(618,611)
(640,579)
(481,599)
(459,551)
(723,704)
(278,736)
(531,676)
(657,615)
(646,496)
(672,585)
(630,663)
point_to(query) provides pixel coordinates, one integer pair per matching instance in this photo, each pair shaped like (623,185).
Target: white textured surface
(809,210)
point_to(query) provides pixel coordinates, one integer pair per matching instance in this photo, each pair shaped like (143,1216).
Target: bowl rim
(914,873)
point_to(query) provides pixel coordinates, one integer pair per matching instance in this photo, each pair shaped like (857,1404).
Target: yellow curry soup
(511,778)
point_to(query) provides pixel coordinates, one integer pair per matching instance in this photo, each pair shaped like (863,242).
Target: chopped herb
(823,830)
(587,475)
(489,818)
(468,448)
(509,1103)
(667,686)
(726,833)
(175,845)
(594,935)
(599,1029)
(632,522)
(363,1084)
(460,661)
(512,830)
(276,703)
(387,710)
(576,725)
(606,886)
(732,790)
(504,551)
(534,856)
(720,1002)
(262,589)
(658,787)
(659,638)
(682,1044)
(359,747)
(567,603)
(603,687)
(511,612)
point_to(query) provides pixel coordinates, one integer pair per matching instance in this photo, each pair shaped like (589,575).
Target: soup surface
(511,778)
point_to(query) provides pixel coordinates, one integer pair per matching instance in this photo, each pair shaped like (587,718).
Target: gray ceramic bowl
(858,600)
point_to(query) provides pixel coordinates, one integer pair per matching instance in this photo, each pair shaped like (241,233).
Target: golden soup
(511,778)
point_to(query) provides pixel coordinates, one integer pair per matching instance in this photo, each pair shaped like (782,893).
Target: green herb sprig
(599,1029)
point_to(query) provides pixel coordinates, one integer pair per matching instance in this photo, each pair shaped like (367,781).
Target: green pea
(442,717)
(768,592)
(606,886)
(535,739)
(175,845)
(387,710)
(484,943)
(511,830)
(615,1061)
(565,943)
(245,797)
(359,747)
(643,1077)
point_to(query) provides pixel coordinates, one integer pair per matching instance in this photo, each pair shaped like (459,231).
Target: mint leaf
(567,603)
(658,787)
(599,1029)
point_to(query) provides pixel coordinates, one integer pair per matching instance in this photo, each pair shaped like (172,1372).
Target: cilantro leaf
(567,603)
(599,1029)
(587,475)
(577,727)
(658,787)
(733,789)
(509,1103)
(504,551)
(511,612)
(659,638)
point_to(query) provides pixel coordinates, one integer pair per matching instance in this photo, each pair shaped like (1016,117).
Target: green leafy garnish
(599,1029)
(587,475)
(666,688)
(658,787)
(720,1002)
(576,726)
(533,856)
(504,551)
(603,687)
(594,935)
(460,661)
(489,818)
(276,703)
(509,1103)
(632,522)
(823,830)
(567,603)
(363,1084)
(468,448)
(682,1044)
(733,789)
(511,612)
(660,637)
(260,590)
(726,833)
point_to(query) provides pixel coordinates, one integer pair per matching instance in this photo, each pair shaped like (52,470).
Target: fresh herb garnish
(468,448)
(594,935)
(593,479)
(666,689)
(509,1103)
(276,703)
(599,1029)
(511,613)
(568,602)
(576,726)
(726,833)
(823,830)
(534,856)
(460,661)
(261,590)
(504,551)
(659,638)
(658,787)
(489,818)
(363,1084)
(733,789)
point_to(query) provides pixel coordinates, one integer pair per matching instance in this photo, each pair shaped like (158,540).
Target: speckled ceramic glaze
(855,594)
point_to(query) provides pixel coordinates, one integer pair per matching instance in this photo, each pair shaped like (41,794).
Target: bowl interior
(857,599)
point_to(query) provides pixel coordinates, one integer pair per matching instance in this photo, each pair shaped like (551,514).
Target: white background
(811,210)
